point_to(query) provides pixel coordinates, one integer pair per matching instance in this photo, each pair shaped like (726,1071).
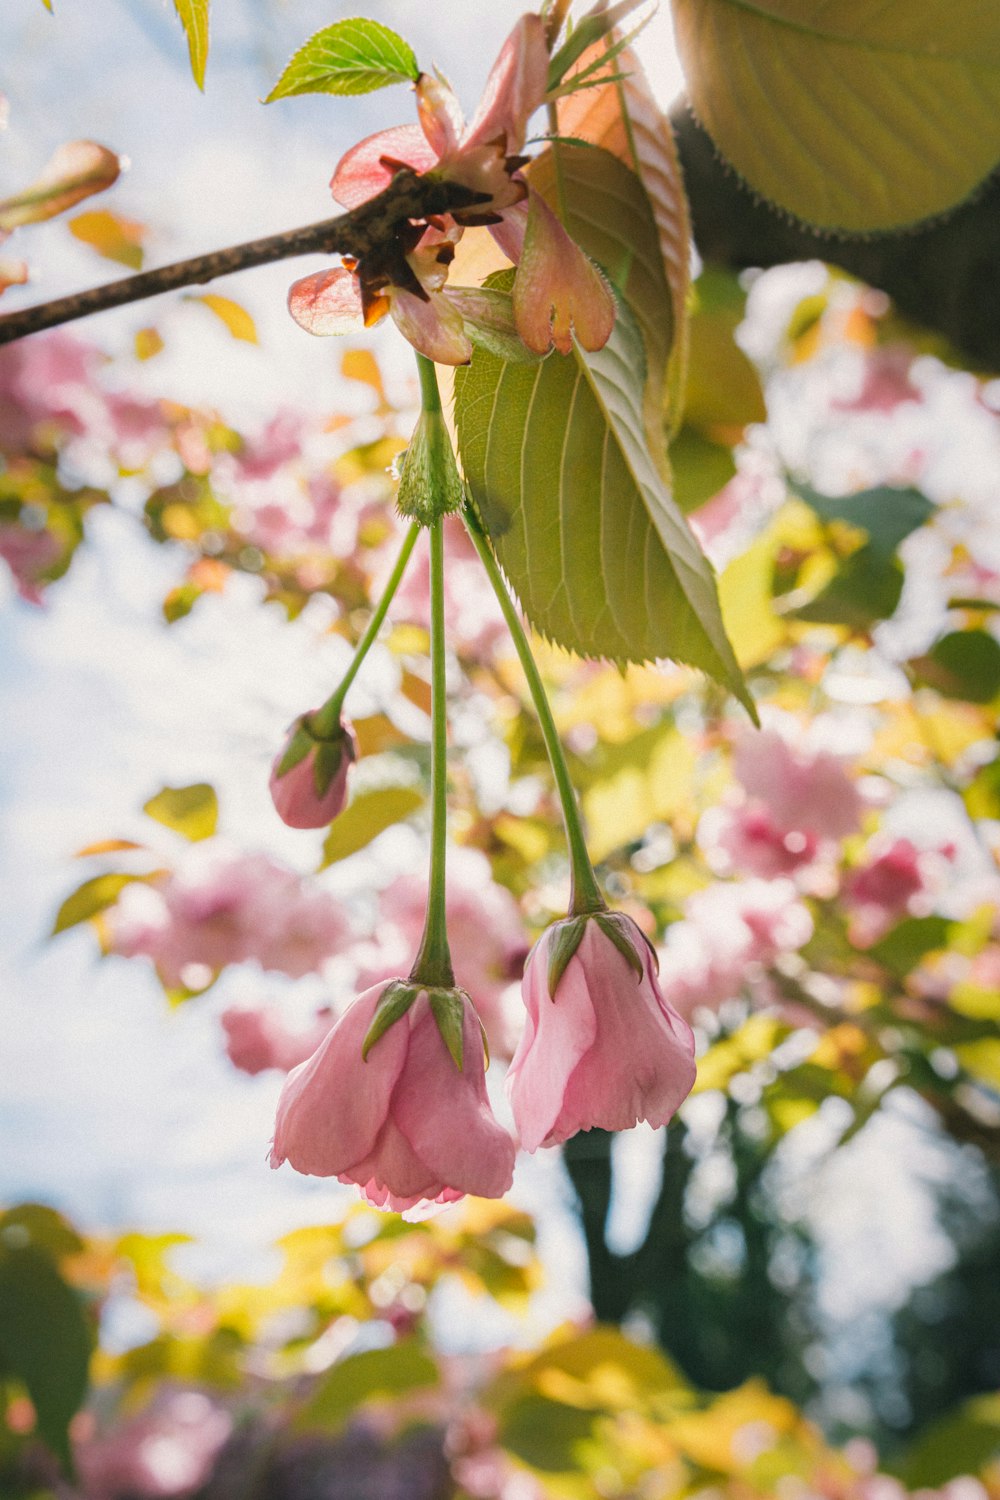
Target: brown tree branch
(365,231)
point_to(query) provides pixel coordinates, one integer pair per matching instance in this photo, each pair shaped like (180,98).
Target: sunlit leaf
(91,898)
(39,1225)
(625,119)
(852,116)
(888,515)
(190,810)
(747,604)
(963,664)
(734,1054)
(350,57)
(865,588)
(371,1375)
(369,814)
(640,782)
(963,1442)
(235,317)
(194,18)
(586,529)
(111,235)
(700,469)
(723,391)
(148,342)
(107,846)
(74,172)
(45,1340)
(910,941)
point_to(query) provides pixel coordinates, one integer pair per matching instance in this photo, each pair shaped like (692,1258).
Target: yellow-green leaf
(190,810)
(235,317)
(369,814)
(194,18)
(91,898)
(578,511)
(353,56)
(852,116)
(111,235)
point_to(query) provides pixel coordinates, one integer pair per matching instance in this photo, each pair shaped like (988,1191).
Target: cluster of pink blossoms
(399,1107)
(223,908)
(557,289)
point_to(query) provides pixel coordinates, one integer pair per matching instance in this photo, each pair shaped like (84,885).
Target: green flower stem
(325,722)
(586,893)
(433,962)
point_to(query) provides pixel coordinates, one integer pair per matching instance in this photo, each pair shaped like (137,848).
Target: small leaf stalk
(325,722)
(585,897)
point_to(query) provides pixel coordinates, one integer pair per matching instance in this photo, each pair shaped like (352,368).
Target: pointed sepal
(393,1003)
(448,1010)
(566,938)
(296,750)
(622,931)
(429,483)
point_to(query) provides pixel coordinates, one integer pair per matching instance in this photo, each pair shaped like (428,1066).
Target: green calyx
(429,485)
(330,751)
(447,1005)
(568,935)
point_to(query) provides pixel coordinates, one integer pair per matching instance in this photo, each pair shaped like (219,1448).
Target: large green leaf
(372,1374)
(45,1340)
(852,116)
(350,57)
(368,814)
(579,513)
(194,19)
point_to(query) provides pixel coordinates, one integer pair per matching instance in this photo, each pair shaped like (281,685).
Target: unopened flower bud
(309,778)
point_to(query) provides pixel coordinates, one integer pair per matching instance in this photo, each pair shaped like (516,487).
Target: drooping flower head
(601,1046)
(308,781)
(560,288)
(394,1100)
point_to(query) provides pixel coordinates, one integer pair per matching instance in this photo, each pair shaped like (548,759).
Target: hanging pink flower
(557,288)
(258,1038)
(601,1046)
(405,1115)
(308,781)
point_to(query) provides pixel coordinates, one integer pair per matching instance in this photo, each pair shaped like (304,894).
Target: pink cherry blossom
(308,782)
(165,1451)
(601,1046)
(556,289)
(406,1124)
(222,907)
(29,554)
(804,789)
(753,841)
(730,930)
(259,1038)
(885,382)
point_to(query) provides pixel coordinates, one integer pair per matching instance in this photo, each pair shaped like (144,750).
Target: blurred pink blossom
(728,929)
(29,554)
(885,382)
(166,1451)
(888,886)
(407,1124)
(222,907)
(259,1038)
(804,789)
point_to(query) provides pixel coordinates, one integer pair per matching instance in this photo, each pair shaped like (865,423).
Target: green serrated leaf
(369,814)
(393,1003)
(448,1010)
(354,56)
(194,18)
(566,939)
(189,810)
(619,930)
(45,1340)
(580,516)
(89,899)
(852,116)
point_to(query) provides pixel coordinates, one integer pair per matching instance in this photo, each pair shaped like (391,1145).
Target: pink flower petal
(440,113)
(467,1148)
(558,1033)
(515,88)
(328,302)
(558,289)
(333,1107)
(435,328)
(360,173)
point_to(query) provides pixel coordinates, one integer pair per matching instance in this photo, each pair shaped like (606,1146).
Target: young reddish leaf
(107,846)
(190,810)
(351,57)
(194,19)
(236,318)
(12,273)
(111,235)
(626,120)
(76,171)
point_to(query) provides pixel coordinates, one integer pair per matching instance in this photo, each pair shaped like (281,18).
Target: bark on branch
(364,231)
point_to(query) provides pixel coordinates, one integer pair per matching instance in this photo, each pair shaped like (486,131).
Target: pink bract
(605,1050)
(406,1125)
